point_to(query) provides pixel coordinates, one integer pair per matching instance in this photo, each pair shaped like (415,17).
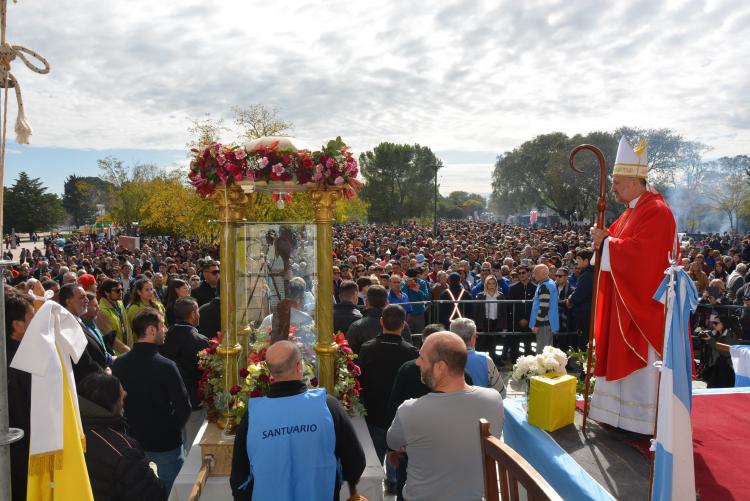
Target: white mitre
(632,162)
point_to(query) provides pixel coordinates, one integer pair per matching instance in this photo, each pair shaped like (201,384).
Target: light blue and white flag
(741,362)
(674,473)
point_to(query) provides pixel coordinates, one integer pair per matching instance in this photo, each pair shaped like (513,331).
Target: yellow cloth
(552,402)
(62,475)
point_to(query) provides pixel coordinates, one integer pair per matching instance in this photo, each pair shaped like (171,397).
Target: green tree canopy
(28,207)
(537,174)
(399,181)
(81,195)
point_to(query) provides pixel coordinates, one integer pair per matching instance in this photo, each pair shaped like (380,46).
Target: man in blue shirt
(288,444)
(416,290)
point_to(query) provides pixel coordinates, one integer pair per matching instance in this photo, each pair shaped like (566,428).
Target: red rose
(256,393)
(308,163)
(263,378)
(243,372)
(234,389)
(314,381)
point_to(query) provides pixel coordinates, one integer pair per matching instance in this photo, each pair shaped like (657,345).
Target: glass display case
(276,261)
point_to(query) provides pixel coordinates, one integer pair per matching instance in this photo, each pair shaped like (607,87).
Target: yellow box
(552,401)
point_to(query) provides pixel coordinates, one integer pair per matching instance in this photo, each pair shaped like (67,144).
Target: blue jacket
(554,318)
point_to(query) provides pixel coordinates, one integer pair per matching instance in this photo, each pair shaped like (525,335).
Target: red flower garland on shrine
(333,165)
(255,380)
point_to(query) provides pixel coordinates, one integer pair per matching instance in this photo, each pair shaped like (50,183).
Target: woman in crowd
(142,296)
(118,469)
(715,366)
(490,316)
(176,289)
(720,271)
(698,275)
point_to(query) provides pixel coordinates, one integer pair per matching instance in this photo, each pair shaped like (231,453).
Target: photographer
(715,367)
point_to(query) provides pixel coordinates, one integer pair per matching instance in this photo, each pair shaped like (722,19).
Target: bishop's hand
(598,235)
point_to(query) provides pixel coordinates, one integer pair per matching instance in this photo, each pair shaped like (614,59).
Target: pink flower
(319,168)
(262,162)
(330,163)
(239,153)
(278,169)
(221,159)
(339,180)
(317,177)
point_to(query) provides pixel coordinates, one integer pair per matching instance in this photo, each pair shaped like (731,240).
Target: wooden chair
(513,469)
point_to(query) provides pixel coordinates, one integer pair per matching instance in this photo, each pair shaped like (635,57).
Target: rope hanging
(9,53)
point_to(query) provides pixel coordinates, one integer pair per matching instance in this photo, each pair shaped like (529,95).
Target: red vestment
(628,319)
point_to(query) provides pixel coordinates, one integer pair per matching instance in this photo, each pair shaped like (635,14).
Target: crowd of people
(478,293)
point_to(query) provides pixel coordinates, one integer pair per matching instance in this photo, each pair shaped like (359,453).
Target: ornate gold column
(231,201)
(324,201)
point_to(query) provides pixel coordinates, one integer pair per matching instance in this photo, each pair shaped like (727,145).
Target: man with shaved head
(439,430)
(292,439)
(545,319)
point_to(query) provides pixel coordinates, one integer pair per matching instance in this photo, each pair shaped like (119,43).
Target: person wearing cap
(629,324)
(88,282)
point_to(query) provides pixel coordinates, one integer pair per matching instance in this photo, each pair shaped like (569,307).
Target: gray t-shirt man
(440,434)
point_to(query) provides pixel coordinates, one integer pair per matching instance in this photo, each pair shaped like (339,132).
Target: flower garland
(255,380)
(333,165)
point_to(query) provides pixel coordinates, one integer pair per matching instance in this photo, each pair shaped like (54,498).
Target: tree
(537,175)
(81,195)
(399,180)
(28,207)
(128,193)
(204,131)
(257,121)
(173,208)
(728,188)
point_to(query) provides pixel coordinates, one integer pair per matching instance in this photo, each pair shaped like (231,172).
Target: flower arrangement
(551,361)
(332,165)
(255,380)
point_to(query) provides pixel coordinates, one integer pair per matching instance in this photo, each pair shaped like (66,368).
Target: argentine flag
(741,363)
(674,474)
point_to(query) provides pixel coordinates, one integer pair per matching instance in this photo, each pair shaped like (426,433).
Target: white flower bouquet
(551,361)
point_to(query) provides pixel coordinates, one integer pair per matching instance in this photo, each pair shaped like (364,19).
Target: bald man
(439,430)
(293,438)
(545,320)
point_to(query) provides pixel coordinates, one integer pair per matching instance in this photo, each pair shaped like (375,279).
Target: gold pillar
(324,202)
(231,201)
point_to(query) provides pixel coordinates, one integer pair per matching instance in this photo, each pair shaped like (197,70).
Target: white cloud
(463,75)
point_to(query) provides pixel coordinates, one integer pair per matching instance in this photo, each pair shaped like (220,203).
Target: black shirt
(348,449)
(157,406)
(204,293)
(380,360)
(344,315)
(19,414)
(182,344)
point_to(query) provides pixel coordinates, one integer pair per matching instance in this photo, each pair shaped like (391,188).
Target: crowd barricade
(703,314)
(432,314)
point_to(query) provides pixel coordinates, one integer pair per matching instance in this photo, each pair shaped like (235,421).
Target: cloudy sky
(470,79)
